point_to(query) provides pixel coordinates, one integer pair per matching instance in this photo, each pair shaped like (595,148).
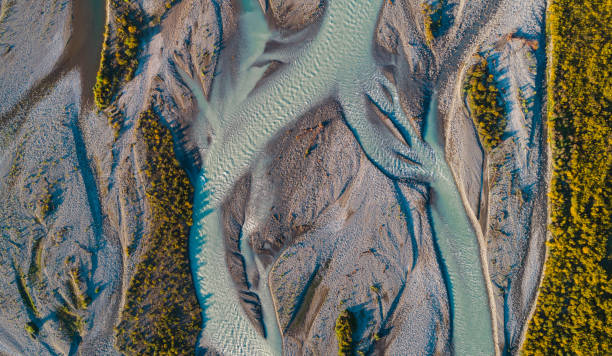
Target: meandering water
(338,63)
(472,327)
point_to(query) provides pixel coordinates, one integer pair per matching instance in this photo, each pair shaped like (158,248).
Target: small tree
(345,324)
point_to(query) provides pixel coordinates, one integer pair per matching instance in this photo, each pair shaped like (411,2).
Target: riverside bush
(484,100)
(24,292)
(345,324)
(76,295)
(71,324)
(433,14)
(119,58)
(35,270)
(161,314)
(574,308)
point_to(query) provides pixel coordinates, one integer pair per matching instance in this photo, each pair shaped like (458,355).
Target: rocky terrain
(334,232)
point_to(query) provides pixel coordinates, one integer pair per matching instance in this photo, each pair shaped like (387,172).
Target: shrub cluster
(574,308)
(162,315)
(32,326)
(35,270)
(119,58)
(71,324)
(32,329)
(45,204)
(6,8)
(433,15)
(115,120)
(345,323)
(485,100)
(168,4)
(26,297)
(79,299)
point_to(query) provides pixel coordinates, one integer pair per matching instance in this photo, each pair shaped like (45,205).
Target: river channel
(338,63)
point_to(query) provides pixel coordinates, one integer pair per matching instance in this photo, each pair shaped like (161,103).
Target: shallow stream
(338,63)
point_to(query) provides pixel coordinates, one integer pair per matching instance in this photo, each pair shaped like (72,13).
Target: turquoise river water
(338,63)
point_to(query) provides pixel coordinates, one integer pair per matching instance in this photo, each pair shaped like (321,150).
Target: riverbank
(575,288)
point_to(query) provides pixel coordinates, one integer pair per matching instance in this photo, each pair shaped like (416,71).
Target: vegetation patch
(32,329)
(16,165)
(574,307)
(44,204)
(71,324)
(168,4)
(433,15)
(24,292)
(345,324)
(115,120)
(36,262)
(162,314)
(119,58)
(33,314)
(79,299)
(484,100)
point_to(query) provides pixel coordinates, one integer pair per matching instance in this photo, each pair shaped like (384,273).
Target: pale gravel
(36,33)
(372,192)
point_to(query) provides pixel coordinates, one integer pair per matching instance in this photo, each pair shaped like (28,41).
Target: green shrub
(24,292)
(574,308)
(76,294)
(71,324)
(119,58)
(433,14)
(161,313)
(32,328)
(484,99)
(45,204)
(36,261)
(345,323)
(5,9)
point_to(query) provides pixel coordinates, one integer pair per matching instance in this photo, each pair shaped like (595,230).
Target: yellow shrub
(162,314)
(574,308)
